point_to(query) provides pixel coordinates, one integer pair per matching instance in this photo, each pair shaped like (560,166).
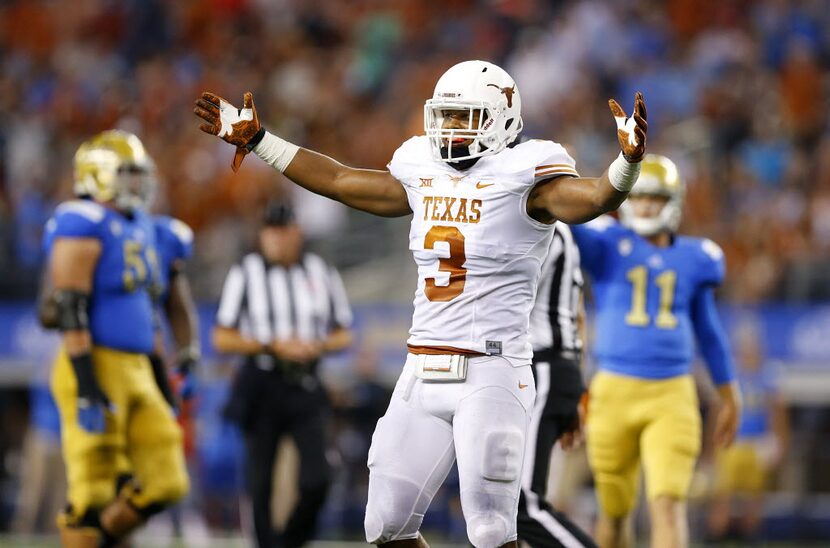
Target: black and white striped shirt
(266,302)
(553,324)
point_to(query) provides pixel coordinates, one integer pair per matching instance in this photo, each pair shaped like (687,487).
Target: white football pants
(482,422)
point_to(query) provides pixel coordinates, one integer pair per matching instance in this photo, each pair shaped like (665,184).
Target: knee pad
(502,456)
(489,530)
(490,511)
(392,510)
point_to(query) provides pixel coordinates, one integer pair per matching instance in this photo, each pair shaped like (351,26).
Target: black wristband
(85,375)
(255,139)
(72,307)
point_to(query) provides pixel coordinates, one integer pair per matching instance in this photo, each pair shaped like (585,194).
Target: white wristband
(276,152)
(623,174)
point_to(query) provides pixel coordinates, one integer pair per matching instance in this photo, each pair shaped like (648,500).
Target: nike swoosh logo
(479,185)
(522,386)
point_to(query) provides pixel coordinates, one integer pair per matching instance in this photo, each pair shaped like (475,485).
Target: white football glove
(239,127)
(631,132)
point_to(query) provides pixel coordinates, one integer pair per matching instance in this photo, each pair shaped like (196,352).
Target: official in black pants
(559,388)
(271,403)
(555,332)
(282,309)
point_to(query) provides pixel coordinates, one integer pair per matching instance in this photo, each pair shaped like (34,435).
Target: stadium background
(737,92)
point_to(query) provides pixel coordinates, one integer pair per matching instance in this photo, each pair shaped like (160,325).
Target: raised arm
(575,200)
(373,191)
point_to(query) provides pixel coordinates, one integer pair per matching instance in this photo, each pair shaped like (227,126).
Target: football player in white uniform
(482,218)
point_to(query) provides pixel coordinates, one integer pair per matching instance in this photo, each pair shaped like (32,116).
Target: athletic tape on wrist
(623,174)
(276,152)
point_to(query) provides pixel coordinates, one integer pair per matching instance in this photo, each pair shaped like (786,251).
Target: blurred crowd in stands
(736,89)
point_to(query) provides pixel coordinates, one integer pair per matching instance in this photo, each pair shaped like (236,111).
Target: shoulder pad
(712,261)
(712,249)
(76,219)
(546,158)
(183,232)
(92,211)
(414,152)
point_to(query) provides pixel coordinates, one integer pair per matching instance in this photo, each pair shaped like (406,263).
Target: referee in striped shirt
(557,348)
(282,309)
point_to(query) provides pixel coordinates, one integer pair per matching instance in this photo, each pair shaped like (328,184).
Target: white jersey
(478,252)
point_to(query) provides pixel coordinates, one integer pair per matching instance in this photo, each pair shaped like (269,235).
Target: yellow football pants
(740,470)
(632,419)
(141,430)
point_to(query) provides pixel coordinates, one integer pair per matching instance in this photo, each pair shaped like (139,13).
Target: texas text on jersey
(478,251)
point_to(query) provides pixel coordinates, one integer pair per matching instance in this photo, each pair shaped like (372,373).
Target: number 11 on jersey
(637,315)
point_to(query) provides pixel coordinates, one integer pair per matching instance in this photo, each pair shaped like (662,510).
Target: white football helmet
(114,166)
(474,86)
(658,177)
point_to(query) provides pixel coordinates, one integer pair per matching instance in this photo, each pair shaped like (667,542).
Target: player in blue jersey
(654,294)
(744,468)
(103,270)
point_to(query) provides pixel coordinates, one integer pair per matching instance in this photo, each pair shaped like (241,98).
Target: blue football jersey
(174,241)
(643,296)
(121,307)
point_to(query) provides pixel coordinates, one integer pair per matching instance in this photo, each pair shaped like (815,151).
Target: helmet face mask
(658,177)
(490,97)
(113,166)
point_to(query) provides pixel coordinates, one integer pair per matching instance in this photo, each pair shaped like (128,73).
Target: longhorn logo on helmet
(508,93)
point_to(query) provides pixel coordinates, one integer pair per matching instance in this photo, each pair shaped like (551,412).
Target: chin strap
(460,165)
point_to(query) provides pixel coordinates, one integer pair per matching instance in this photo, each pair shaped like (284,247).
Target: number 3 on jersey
(453,265)
(637,315)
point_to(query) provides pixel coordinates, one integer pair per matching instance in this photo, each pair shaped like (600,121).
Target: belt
(442,350)
(287,370)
